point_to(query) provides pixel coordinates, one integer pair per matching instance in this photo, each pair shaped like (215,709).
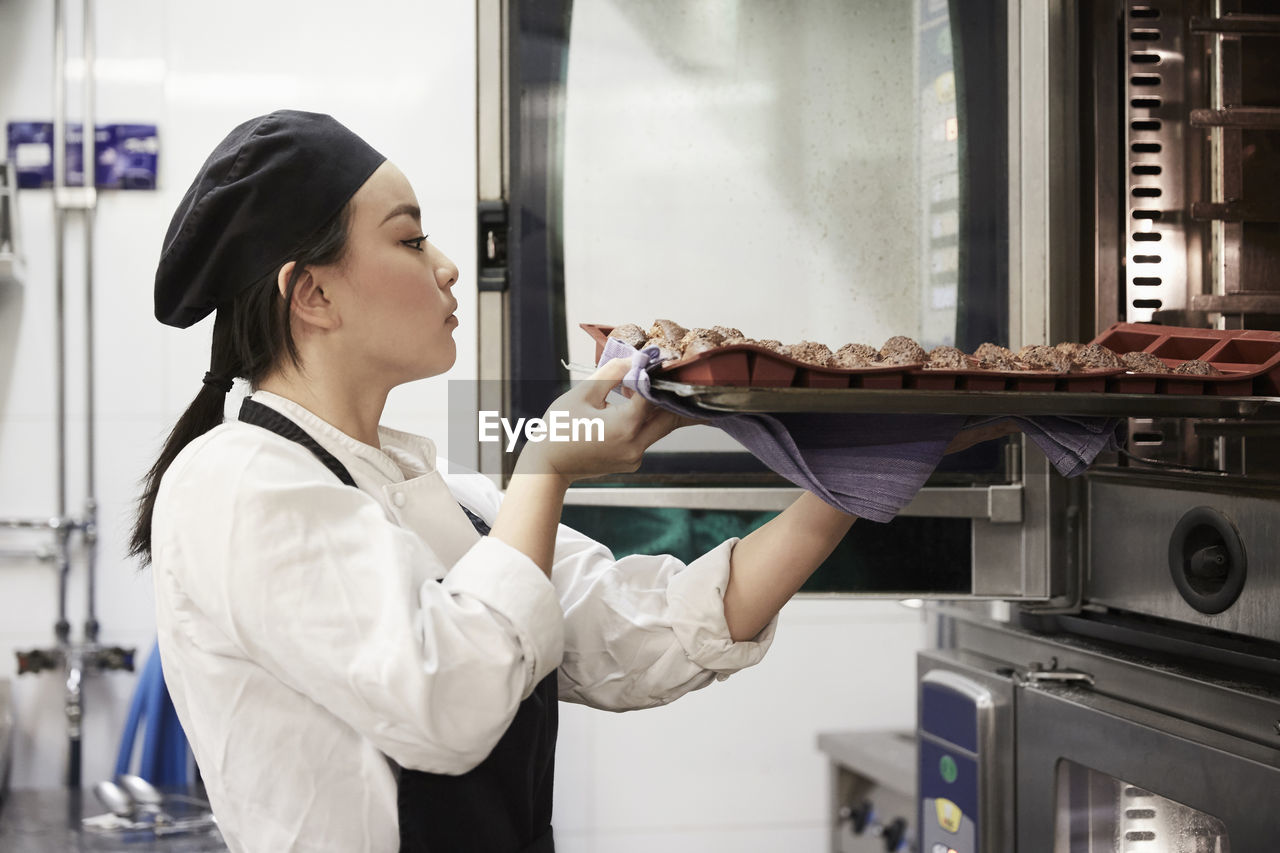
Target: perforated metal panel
(1155,276)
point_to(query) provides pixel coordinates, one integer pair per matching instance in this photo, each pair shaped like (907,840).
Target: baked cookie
(812,352)
(1196,367)
(852,356)
(1143,362)
(902,350)
(947,358)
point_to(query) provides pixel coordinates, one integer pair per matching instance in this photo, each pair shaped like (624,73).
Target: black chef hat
(271,184)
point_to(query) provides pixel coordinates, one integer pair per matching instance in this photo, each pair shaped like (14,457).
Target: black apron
(504,804)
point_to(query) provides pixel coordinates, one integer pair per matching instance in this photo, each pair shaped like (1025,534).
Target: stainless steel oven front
(1041,743)
(755,164)
(1147,716)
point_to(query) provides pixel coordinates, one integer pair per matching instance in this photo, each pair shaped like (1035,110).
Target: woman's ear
(309,305)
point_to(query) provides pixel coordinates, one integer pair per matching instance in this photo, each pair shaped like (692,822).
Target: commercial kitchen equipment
(1105,670)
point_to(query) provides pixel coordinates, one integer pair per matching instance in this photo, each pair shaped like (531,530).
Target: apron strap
(253,412)
(476,521)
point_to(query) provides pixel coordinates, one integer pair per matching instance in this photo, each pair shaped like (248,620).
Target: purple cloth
(867,465)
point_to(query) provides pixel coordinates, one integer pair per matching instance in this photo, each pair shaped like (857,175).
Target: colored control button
(942,848)
(947,767)
(949,814)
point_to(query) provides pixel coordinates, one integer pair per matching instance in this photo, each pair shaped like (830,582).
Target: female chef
(365,654)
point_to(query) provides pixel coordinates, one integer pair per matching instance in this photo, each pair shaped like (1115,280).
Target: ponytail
(204,413)
(251,338)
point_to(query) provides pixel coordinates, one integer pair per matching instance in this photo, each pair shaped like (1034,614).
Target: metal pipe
(59,95)
(59,236)
(44,555)
(88,134)
(62,558)
(59,276)
(36,523)
(74,709)
(90,461)
(91,567)
(63,550)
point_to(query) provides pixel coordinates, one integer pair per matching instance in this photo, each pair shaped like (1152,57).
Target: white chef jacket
(305,637)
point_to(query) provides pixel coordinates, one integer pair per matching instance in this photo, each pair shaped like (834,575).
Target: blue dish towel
(867,465)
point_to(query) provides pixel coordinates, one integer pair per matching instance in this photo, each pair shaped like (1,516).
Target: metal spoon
(142,791)
(115,798)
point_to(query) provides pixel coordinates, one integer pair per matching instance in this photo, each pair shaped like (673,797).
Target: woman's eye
(415,243)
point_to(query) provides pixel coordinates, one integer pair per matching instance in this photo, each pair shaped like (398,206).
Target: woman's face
(395,298)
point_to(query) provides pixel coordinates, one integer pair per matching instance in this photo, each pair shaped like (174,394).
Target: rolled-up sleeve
(644,630)
(313,583)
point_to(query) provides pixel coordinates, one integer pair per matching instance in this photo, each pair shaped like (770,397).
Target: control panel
(964,759)
(949,764)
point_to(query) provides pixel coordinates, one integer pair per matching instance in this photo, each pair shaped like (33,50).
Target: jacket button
(398,499)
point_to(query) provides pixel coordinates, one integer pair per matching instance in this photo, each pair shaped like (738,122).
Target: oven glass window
(929,556)
(824,171)
(1096,813)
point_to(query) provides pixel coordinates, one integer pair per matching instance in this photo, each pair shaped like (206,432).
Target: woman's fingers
(630,427)
(604,379)
(976,435)
(659,423)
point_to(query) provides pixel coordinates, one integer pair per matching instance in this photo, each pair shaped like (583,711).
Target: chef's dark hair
(252,337)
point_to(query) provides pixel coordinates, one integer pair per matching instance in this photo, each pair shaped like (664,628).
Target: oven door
(1067,744)
(1097,774)
(828,171)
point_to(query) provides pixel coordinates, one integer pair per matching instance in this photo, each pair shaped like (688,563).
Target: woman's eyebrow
(403,210)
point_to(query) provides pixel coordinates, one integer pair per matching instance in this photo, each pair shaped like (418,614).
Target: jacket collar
(402,456)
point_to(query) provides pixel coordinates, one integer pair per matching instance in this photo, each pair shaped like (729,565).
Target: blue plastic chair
(165,751)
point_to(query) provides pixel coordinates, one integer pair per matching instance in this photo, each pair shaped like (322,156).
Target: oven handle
(1037,675)
(1000,504)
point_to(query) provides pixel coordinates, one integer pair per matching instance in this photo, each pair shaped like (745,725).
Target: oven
(1070,745)
(1105,662)
(1147,715)
(834,171)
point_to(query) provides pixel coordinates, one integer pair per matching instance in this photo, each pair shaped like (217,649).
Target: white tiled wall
(730,768)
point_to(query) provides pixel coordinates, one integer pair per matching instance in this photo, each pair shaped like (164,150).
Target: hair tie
(222,383)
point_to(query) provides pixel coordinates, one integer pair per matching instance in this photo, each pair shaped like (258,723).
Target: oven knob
(858,816)
(895,835)
(1207,560)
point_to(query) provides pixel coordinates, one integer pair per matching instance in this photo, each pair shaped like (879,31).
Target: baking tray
(751,365)
(1249,361)
(720,398)
(747,377)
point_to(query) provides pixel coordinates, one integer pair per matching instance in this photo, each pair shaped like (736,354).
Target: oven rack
(739,399)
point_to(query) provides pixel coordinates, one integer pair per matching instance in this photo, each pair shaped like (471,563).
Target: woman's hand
(627,429)
(535,496)
(976,435)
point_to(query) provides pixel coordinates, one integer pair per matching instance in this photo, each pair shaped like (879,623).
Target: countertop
(48,821)
(887,758)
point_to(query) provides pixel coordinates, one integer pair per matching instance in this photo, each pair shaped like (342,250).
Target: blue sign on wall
(125,155)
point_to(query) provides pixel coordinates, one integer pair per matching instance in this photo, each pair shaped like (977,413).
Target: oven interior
(1186,106)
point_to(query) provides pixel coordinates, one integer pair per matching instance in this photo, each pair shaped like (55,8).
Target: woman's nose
(446,271)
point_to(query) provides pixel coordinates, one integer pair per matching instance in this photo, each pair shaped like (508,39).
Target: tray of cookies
(1133,361)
